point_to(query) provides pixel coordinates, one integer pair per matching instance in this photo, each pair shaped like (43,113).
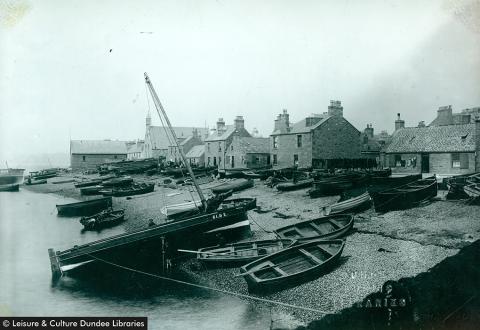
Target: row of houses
(450,144)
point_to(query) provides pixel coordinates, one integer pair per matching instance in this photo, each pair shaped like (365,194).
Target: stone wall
(91,162)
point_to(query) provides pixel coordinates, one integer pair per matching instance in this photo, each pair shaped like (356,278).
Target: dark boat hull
(233,186)
(248,203)
(329,188)
(377,184)
(84,208)
(87,183)
(290,186)
(405,197)
(99,221)
(10,187)
(131,191)
(143,246)
(90,191)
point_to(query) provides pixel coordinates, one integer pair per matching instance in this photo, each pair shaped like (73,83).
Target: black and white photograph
(240,164)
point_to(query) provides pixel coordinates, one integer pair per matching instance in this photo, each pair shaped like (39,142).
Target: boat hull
(10,187)
(84,208)
(233,186)
(292,266)
(290,186)
(358,203)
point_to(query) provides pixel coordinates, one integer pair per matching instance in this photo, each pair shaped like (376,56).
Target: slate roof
(196,151)
(135,147)
(452,138)
(160,140)
(301,126)
(230,129)
(252,145)
(98,147)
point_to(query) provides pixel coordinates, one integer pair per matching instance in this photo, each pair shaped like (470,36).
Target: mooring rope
(239,295)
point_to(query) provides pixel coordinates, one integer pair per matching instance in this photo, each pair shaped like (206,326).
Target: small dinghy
(235,185)
(289,186)
(294,265)
(89,207)
(406,196)
(328,227)
(104,219)
(242,252)
(356,203)
(249,202)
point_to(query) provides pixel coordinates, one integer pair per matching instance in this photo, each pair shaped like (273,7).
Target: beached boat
(104,219)
(64,181)
(361,202)
(30,182)
(406,196)
(377,184)
(88,183)
(251,175)
(135,189)
(291,266)
(328,227)
(472,190)
(289,186)
(89,207)
(89,191)
(44,174)
(11,178)
(118,182)
(235,185)
(381,173)
(242,252)
(329,187)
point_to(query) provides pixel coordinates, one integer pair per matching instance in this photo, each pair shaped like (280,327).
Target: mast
(159,107)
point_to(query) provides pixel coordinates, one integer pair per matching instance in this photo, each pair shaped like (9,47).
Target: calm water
(29,226)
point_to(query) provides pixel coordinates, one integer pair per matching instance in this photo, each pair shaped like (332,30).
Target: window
(219,146)
(231,147)
(295,160)
(214,161)
(208,160)
(398,161)
(299,141)
(219,160)
(456,160)
(460,161)
(274,159)
(275,142)
(83,158)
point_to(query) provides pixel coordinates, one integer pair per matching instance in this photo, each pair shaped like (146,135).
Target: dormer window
(275,142)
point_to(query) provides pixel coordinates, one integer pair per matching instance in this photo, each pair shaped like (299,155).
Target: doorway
(425,163)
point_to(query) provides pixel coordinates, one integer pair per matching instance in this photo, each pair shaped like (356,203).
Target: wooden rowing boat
(242,252)
(104,219)
(118,182)
(248,202)
(332,226)
(94,190)
(88,183)
(89,207)
(361,202)
(296,264)
(472,190)
(289,186)
(405,196)
(377,184)
(233,186)
(135,189)
(30,182)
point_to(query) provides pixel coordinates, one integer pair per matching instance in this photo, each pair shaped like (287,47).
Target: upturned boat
(89,207)
(118,182)
(356,203)
(104,219)
(233,186)
(242,252)
(405,196)
(289,186)
(328,227)
(291,266)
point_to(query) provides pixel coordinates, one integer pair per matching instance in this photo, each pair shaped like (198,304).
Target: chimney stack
(239,122)
(335,108)
(369,131)
(399,123)
(220,126)
(282,123)
(444,116)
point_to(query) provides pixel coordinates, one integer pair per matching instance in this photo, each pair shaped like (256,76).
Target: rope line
(239,295)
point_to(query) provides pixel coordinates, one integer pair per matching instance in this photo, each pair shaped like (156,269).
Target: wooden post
(163,255)
(54,264)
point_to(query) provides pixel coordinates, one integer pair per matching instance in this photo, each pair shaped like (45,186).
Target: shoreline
(380,248)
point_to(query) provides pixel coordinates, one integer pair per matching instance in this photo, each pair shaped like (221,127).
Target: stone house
(444,150)
(445,116)
(135,149)
(186,144)
(88,154)
(196,156)
(319,141)
(216,144)
(158,138)
(248,153)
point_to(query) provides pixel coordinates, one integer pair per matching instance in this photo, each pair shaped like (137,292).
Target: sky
(74,69)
